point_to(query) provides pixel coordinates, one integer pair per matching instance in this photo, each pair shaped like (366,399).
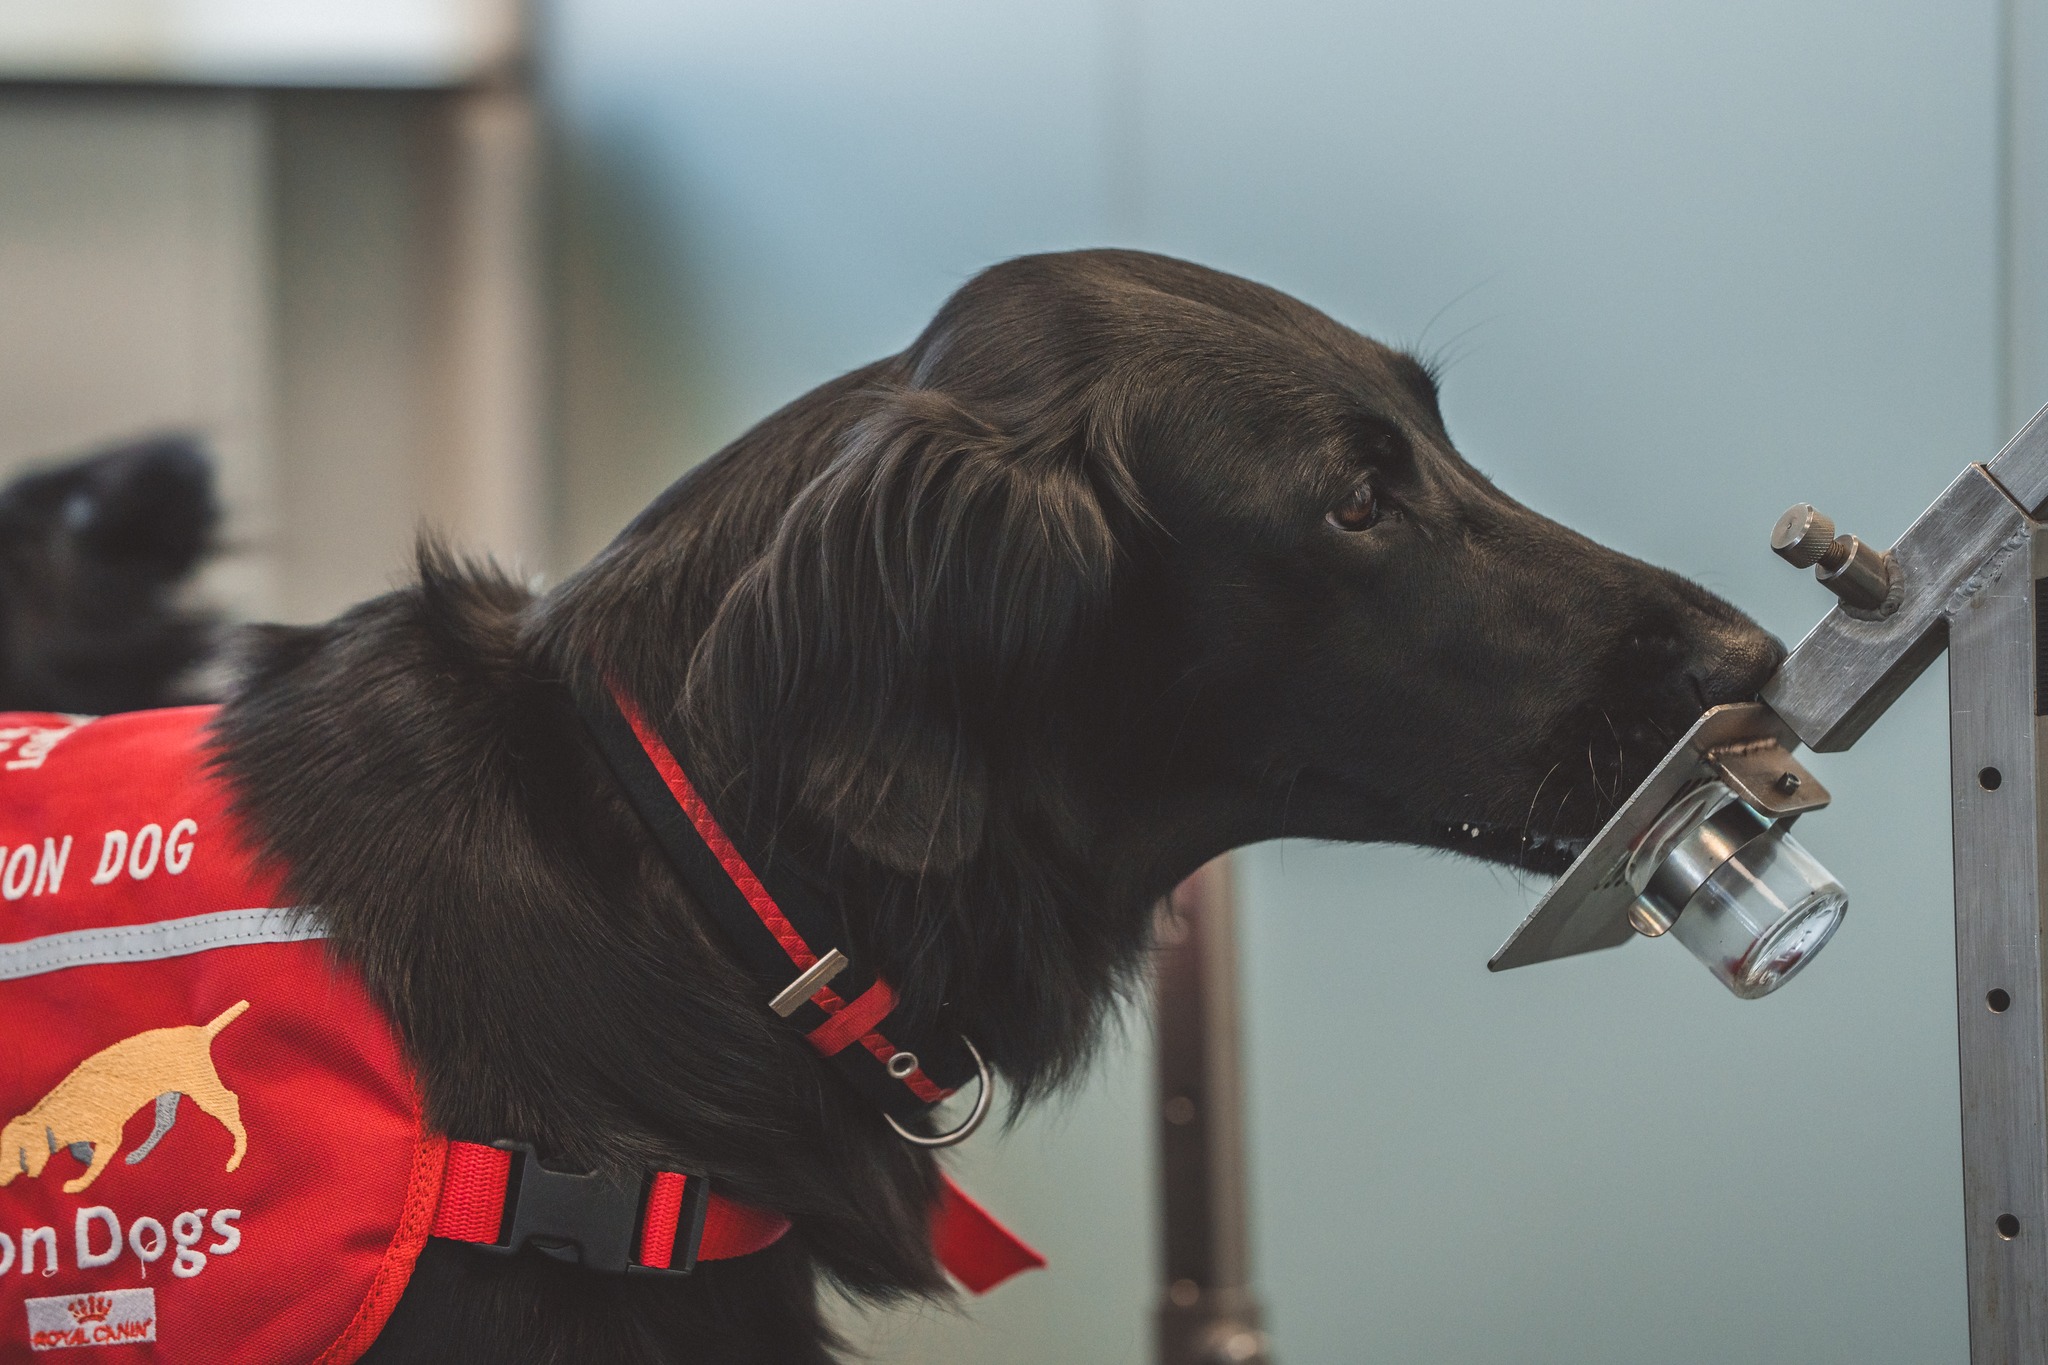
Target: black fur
(92,556)
(997,639)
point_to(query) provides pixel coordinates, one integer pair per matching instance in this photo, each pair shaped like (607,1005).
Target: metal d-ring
(974,1118)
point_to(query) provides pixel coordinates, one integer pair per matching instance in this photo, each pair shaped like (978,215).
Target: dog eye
(1359,511)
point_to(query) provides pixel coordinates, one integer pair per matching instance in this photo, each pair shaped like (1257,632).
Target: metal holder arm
(1853,665)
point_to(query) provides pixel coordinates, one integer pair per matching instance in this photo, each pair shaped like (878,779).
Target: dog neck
(1026,944)
(1026,902)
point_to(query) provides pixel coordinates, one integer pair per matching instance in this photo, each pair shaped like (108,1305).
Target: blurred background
(510,271)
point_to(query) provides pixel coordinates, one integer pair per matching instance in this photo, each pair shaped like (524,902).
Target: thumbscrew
(1803,535)
(1864,578)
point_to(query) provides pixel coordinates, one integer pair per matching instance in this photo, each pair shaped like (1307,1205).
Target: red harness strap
(478,1178)
(979,1252)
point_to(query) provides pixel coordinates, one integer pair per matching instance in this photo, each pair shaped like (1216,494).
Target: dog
(90,1106)
(1122,564)
(94,553)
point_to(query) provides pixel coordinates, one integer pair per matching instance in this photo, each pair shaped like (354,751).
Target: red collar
(787,936)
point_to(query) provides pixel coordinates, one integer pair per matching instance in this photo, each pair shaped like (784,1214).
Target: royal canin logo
(118,1317)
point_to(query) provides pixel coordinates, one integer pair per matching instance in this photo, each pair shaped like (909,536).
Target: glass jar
(1740,892)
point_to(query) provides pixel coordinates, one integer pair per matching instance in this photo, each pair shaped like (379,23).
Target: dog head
(1123,536)
(91,555)
(24,1149)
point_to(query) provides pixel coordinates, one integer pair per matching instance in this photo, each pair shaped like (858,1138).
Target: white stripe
(144,942)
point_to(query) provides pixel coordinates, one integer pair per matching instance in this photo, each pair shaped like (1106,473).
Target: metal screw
(1647,922)
(1803,535)
(1787,783)
(1864,578)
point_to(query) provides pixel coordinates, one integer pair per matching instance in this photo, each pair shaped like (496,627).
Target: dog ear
(892,648)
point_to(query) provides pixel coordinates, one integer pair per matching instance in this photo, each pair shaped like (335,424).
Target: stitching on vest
(145,942)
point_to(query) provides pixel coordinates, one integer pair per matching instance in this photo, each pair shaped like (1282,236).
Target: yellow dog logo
(88,1109)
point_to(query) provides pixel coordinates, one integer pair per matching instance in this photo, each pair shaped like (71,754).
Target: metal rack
(1969,576)
(1975,573)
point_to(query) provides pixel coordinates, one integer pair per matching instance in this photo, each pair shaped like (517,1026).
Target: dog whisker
(1287,802)
(1529,820)
(1620,756)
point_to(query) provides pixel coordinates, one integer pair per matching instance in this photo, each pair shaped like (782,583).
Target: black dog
(1122,564)
(92,555)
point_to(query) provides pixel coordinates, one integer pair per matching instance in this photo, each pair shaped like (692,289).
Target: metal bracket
(1766,776)
(1747,746)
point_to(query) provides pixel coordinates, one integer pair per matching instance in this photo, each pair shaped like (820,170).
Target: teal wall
(1690,262)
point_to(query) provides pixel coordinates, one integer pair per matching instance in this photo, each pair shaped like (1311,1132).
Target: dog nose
(1693,653)
(1731,663)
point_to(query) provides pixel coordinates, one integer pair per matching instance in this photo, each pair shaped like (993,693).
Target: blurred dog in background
(94,556)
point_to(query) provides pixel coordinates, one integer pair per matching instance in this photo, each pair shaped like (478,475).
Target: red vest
(213,1144)
(212,1141)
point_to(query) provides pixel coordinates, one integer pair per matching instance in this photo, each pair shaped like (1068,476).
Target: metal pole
(1207,1314)
(1996,775)
(2022,286)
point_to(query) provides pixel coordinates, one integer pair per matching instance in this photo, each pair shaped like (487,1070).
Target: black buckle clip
(591,1220)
